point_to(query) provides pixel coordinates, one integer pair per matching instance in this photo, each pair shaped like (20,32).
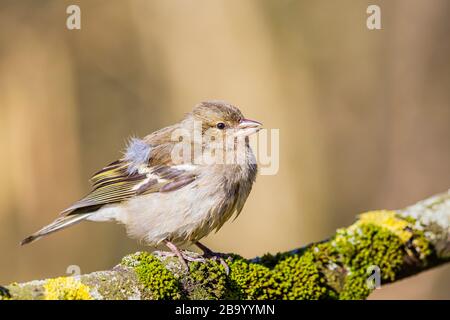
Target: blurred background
(363,115)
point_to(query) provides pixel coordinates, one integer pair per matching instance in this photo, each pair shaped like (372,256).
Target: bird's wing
(125,179)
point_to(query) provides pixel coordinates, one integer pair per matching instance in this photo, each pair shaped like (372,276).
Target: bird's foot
(210,254)
(182,256)
(186,256)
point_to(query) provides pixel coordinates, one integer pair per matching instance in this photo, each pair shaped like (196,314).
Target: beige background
(363,115)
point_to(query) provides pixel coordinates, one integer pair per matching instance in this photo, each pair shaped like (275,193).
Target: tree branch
(389,244)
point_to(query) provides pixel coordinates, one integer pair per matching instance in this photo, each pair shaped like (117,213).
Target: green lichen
(330,270)
(159,282)
(302,278)
(379,238)
(66,288)
(5,293)
(292,277)
(403,227)
(330,266)
(207,281)
(362,247)
(253,281)
(270,260)
(288,277)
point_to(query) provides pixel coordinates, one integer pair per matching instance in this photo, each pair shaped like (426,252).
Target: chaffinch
(175,185)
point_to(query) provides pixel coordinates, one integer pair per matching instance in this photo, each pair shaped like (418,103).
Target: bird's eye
(221,125)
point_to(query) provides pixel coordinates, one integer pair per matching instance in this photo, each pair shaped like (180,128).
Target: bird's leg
(178,253)
(208,253)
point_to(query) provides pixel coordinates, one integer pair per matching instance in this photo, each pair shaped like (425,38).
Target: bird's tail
(58,224)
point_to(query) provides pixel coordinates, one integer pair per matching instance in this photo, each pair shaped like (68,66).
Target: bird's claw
(188,257)
(219,257)
(208,253)
(185,256)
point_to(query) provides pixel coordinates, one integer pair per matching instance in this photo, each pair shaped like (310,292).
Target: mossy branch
(393,244)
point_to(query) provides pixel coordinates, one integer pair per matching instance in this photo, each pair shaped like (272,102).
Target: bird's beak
(247,123)
(247,127)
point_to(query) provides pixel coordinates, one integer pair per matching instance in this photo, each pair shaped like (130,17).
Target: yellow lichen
(388,220)
(66,288)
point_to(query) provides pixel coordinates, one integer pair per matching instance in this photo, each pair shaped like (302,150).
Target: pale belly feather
(184,215)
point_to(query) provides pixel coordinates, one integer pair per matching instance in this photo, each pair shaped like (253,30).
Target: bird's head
(218,116)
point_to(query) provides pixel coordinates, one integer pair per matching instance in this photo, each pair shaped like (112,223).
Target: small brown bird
(165,188)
